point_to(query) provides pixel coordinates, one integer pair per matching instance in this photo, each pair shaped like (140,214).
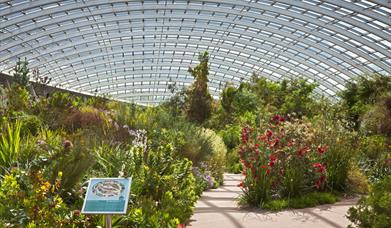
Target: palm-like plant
(10,144)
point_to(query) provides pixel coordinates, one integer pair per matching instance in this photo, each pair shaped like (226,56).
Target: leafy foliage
(238,101)
(28,200)
(21,73)
(10,145)
(50,146)
(163,187)
(198,99)
(17,98)
(277,160)
(377,120)
(308,200)
(365,91)
(374,210)
(375,156)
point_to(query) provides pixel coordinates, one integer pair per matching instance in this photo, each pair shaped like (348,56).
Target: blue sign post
(107,196)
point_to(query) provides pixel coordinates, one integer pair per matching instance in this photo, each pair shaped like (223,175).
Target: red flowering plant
(279,162)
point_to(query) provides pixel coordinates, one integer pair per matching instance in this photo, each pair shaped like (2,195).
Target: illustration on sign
(107,196)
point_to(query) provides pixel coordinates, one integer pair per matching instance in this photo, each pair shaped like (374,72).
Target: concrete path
(218,208)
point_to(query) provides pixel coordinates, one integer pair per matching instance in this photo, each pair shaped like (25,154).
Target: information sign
(107,196)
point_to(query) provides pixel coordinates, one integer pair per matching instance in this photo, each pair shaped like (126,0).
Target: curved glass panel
(133,50)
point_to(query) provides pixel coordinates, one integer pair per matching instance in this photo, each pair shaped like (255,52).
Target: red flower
(303,150)
(273,143)
(241,184)
(320,168)
(276,142)
(317,184)
(245,134)
(316,164)
(322,149)
(264,167)
(320,181)
(273,157)
(278,118)
(267,172)
(272,161)
(269,133)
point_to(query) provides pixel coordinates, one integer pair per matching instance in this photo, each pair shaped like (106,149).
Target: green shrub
(342,148)
(164,189)
(63,101)
(216,161)
(308,200)
(312,199)
(338,159)
(233,163)
(197,144)
(83,118)
(377,120)
(21,73)
(375,154)
(27,199)
(375,209)
(10,145)
(276,205)
(231,136)
(357,181)
(17,98)
(373,147)
(360,94)
(31,125)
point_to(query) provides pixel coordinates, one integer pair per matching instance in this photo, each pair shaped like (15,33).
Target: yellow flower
(45,186)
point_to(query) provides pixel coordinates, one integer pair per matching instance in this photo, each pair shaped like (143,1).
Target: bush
(375,157)
(84,117)
(164,188)
(17,98)
(27,199)
(362,93)
(217,159)
(377,120)
(231,136)
(342,147)
(357,181)
(31,125)
(279,162)
(63,101)
(233,162)
(374,210)
(71,155)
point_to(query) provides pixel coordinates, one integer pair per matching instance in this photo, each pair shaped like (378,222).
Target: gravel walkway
(218,208)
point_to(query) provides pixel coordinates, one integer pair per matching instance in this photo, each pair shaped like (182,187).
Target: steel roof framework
(133,50)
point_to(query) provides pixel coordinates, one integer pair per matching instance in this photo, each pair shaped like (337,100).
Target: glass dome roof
(133,50)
